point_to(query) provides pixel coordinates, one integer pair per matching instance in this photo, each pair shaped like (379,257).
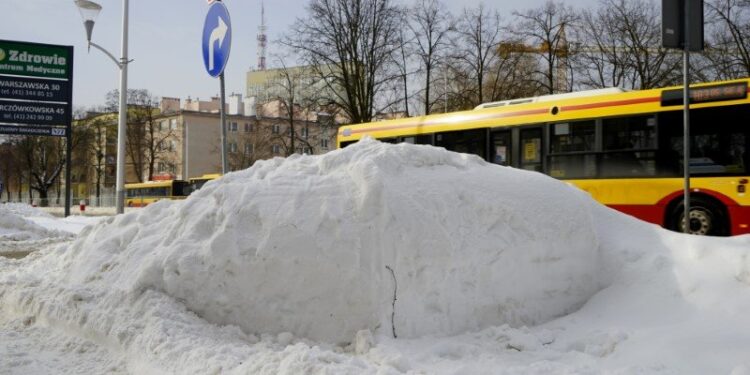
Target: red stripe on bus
(611,104)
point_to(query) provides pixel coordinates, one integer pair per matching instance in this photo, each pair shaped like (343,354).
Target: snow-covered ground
(313,264)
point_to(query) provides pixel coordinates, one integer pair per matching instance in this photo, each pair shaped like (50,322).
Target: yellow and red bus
(145,193)
(623,147)
(197,182)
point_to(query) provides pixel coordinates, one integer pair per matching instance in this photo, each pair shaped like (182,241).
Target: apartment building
(194,136)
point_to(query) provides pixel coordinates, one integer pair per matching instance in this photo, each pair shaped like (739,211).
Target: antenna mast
(262,39)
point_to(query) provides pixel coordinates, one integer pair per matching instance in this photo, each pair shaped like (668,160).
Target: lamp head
(89,11)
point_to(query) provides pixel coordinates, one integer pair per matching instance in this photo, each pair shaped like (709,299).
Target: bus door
(531,149)
(500,148)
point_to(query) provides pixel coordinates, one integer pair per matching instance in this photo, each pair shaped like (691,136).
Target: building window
(248,127)
(173,124)
(276,129)
(275,149)
(248,148)
(304,132)
(232,147)
(324,143)
(233,127)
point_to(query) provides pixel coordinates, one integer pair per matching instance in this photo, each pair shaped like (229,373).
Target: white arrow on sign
(219,33)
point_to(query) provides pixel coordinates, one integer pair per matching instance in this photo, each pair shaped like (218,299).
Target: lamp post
(89,11)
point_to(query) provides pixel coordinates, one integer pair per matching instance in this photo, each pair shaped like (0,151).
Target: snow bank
(24,210)
(317,246)
(14,227)
(276,248)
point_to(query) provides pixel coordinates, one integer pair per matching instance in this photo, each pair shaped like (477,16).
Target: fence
(107,200)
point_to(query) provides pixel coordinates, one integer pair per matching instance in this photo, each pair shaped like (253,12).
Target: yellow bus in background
(196,183)
(623,147)
(143,194)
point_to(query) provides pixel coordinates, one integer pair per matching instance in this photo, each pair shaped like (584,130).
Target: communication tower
(262,38)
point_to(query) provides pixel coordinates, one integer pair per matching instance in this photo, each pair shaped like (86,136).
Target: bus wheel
(707,218)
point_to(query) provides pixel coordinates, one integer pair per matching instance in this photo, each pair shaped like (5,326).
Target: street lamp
(89,11)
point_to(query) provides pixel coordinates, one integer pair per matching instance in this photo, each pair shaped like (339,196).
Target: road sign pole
(222,111)
(68,163)
(69,138)
(216,44)
(686,121)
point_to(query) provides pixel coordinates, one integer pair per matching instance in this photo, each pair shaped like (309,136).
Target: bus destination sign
(706,94)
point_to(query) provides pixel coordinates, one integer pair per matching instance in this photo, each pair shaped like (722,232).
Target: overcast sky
(165,40)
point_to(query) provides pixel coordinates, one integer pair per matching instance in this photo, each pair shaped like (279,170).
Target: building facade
(194,146)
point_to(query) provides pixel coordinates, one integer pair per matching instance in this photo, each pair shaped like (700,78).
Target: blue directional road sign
(217,39)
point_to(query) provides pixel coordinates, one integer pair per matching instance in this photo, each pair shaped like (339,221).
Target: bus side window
(629,145)
(467,141)
(425,139)
(573,149)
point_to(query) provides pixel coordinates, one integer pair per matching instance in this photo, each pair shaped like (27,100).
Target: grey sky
(165,39)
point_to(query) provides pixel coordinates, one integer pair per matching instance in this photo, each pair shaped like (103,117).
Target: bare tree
(289,85)
(146,139)
(475,50)
(349,44)
(729,38)
(511,76)
(40,157)
(430,25)
(602,61)
(96,131)
(402,62)
(252,145)
(8,166)
(545,27)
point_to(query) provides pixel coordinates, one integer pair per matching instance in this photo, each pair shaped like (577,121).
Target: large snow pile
(319,246)
(278,247)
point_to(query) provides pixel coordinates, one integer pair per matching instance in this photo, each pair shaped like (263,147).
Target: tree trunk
(427,90)
(43,197)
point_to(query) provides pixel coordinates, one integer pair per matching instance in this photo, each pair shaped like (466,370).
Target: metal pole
(122,124)
(68,163)
(686,121)
(69,137)
(223,127)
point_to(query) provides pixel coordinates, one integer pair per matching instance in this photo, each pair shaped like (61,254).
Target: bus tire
(708,217)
